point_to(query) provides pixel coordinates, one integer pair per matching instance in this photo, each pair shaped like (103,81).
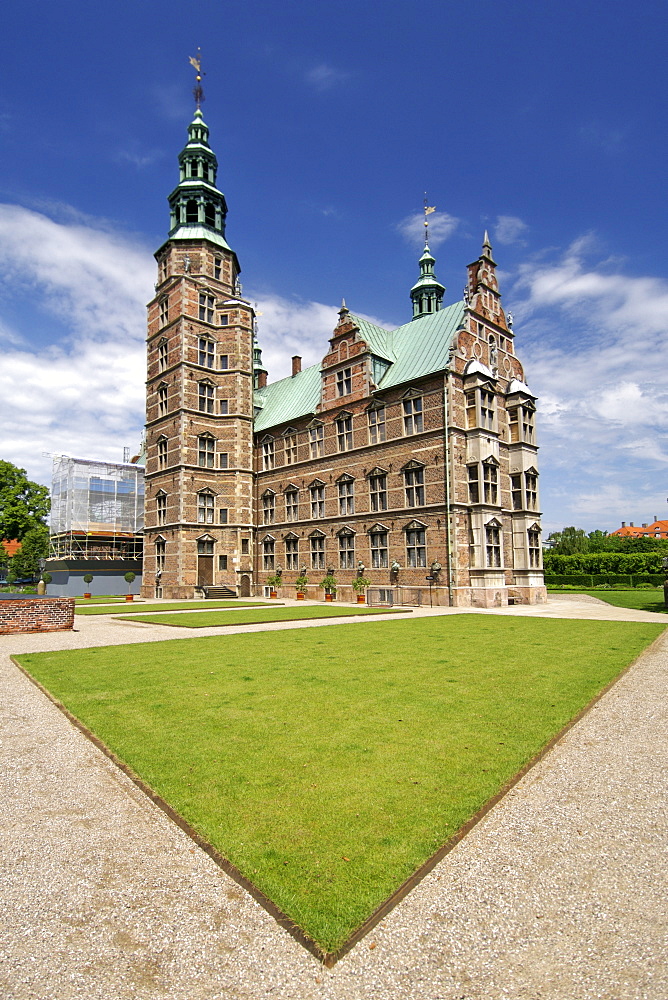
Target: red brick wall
(46,614)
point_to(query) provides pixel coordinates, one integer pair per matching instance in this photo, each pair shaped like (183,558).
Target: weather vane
(198,92)
(427,211)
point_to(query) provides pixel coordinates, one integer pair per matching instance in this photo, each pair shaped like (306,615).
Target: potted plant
(130,578)
(360,583)
(329,584)
(300,586)
(88,578)
(275,582)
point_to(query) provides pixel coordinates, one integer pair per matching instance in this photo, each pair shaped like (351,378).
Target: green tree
(34,546)
(23,504)
(569,541)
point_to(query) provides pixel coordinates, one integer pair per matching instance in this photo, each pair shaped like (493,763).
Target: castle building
(406,456)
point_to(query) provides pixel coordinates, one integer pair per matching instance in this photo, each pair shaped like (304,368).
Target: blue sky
(545,124)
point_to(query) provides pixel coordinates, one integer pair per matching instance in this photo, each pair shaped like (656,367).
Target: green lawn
(100,600)
(328,764)
(177,606)
(261,616)
(641,600)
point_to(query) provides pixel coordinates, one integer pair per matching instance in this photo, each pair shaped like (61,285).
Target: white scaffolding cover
(96,497)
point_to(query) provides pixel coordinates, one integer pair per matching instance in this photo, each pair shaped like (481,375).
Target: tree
(569,541)
(34,546)
(23,504)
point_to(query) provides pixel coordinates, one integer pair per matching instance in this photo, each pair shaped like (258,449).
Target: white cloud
(441,227)
(81,395)
(510,229)
(595,349)
(325,77)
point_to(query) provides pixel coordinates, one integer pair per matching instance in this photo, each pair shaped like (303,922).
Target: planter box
(329,597)
(361,599)
(300,597)
(129,597)
(87,596)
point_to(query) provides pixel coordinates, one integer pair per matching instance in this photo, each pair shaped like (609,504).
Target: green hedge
(587,580)
(604,563)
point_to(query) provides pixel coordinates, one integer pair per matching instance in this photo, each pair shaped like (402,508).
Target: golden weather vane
(427,211)
(198,91)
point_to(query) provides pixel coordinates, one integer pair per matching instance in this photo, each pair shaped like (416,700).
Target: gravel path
(558,894)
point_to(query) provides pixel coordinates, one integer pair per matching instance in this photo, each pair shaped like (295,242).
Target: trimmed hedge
(604,563)
(587,580)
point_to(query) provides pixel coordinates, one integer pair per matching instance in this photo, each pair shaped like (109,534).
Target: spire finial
(343,311)
(427,211)
(486,245)
(198,91)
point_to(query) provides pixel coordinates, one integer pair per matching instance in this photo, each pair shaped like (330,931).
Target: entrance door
(205,562)
(245,586)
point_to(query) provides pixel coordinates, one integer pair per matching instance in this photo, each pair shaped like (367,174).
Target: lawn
(108,599)
(260,616)
(641,600)
(328,764)
(177,606)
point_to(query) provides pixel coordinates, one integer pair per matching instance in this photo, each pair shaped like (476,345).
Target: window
(222,515)
(344,433)
(378,490)
(413,415)
(516,491)
(344,382)
(534,548)
(268,507)
(224,362)
(162,269)
(164,311)
(222,562)
(205,508)
(415,547)
(206,304)
(376,425)
(346,550)
(317,500)
(244,547)
(291,552)
(205,402)
(528,500)
(223,459)
(217,262)
(268,553)
(474,484)
(316,436)
(490,479)
(223,319)
(317,551)
(163,355)
(206,447)
(378,549)
(413,481)
(480,407)
(487,409)
(531,490)
(162,400)
(292,505)
(161,507)
(191,207)
(521,423)
(346,489)
(209,212)
(268,454)
(290,443)
(160,547)
(493,545)
(162,452)
(205,352)
(205,547)
(223,406)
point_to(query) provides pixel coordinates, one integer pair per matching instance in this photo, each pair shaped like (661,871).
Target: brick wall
(44,614)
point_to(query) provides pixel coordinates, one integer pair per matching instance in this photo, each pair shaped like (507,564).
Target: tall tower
(199,394)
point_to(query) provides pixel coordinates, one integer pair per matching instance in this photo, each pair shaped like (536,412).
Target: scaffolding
(97,509)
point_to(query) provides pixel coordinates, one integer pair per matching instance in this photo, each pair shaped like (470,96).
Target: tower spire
(427,292)
(198,90)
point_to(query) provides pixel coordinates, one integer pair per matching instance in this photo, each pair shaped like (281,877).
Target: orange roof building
(11,548)
(658,529)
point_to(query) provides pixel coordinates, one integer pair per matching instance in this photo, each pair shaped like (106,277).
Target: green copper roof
(195,232)
(414,350)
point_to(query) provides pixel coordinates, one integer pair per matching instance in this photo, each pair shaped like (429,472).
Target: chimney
(261,379)
(644,524)
(296,364)
(623,524)
(631,524)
